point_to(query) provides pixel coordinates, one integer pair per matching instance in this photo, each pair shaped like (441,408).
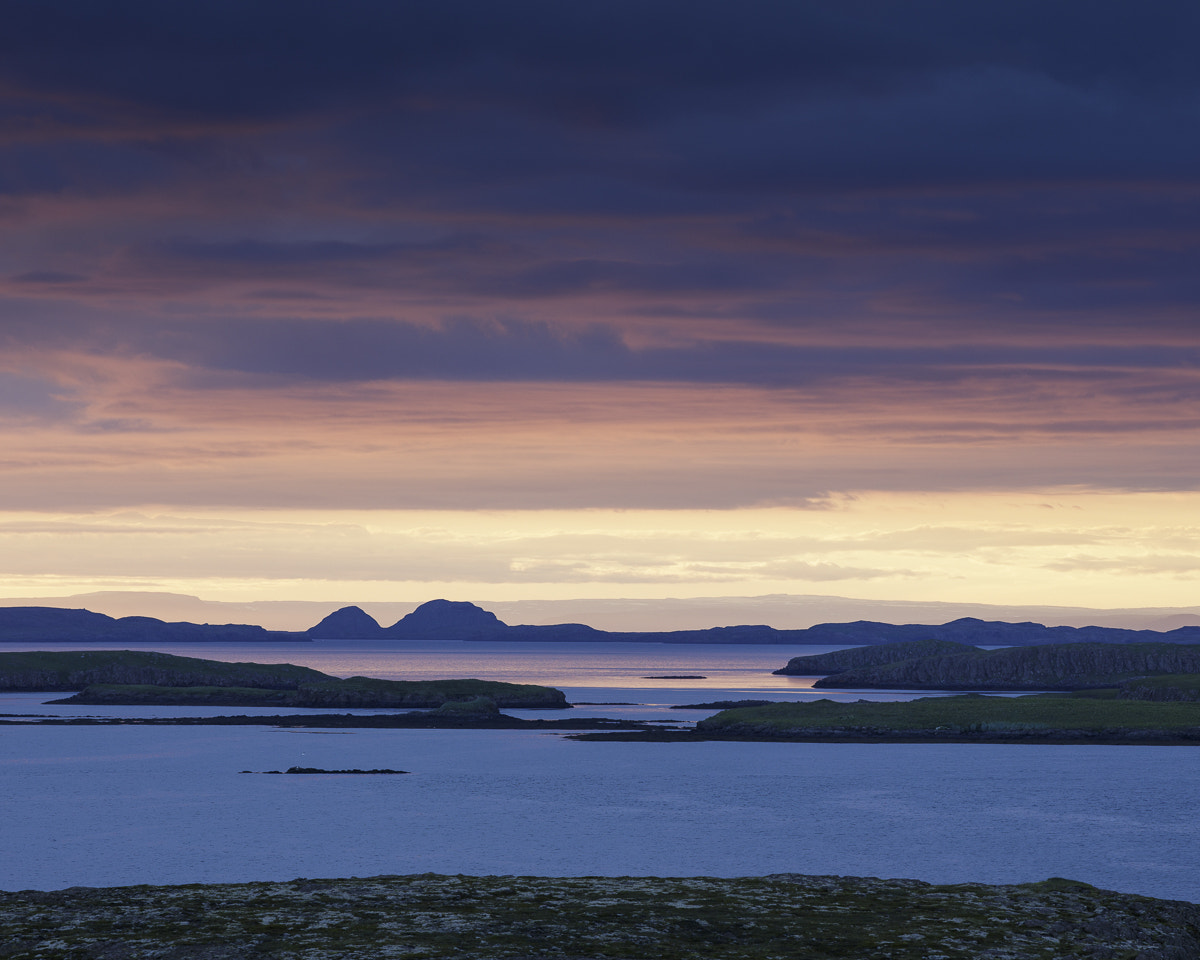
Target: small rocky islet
(500,917)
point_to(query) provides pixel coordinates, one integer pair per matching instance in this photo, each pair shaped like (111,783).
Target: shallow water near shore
(100,806)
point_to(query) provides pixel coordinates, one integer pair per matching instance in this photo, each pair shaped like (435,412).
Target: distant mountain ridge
(790,611)
(55,624)
(461,620)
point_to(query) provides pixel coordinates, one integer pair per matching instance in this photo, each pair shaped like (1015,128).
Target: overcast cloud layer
(658,255)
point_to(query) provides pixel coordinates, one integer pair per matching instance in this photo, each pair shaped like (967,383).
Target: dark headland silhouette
(460,620)
(57,625)
(450,620)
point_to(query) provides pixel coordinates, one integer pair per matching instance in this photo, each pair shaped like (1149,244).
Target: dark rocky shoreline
(386,721)
(570,918)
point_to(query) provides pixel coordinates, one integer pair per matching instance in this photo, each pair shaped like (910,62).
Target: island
(308,770)
(135,677)
(483,918)
(1092,717)
(944,665)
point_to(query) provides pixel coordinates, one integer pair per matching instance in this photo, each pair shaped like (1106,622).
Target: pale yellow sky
(634,320)
(1058,547)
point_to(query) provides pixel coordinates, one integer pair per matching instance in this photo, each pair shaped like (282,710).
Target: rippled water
(124,805)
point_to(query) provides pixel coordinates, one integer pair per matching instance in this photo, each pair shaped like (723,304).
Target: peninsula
(57,625)
(135,677)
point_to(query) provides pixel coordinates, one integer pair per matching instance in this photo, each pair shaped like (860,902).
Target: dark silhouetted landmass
(926,666)
(134,677)
(348,623)
(75,669)
(460,620)
(446,620)
(702,918)
(322,770)
(55,625)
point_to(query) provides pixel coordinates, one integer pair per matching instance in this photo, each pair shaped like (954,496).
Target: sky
(643,299)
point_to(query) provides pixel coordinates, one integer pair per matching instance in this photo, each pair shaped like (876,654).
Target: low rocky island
(300,770)
(498,917)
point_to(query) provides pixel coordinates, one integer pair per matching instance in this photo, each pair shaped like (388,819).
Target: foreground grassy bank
(1098,715)
(472,918)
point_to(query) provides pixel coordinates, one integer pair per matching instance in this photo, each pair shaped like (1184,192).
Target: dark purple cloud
(509,350)
(962,175)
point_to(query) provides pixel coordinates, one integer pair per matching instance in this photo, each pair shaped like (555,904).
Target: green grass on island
(1093,715)
(521,918)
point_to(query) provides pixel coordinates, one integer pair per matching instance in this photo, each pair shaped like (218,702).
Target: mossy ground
(472,918)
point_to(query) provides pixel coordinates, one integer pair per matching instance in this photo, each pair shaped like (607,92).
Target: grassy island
(132,677)
(473,918)
(942,665)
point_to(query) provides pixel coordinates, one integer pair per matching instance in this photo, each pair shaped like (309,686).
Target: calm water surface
(124,805)
(629,674)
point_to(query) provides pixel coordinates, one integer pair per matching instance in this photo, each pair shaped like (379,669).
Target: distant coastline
(460,620)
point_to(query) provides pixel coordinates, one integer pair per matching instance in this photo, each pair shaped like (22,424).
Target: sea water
(642,681)
(104,805)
